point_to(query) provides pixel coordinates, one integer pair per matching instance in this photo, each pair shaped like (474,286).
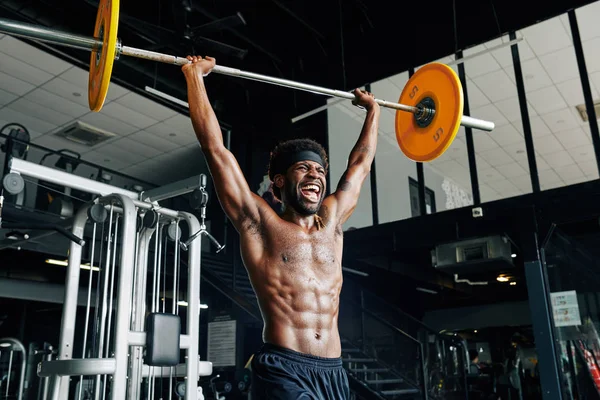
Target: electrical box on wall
(473,256)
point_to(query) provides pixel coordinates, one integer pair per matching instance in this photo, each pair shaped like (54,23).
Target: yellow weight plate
(102,60)
(438,83)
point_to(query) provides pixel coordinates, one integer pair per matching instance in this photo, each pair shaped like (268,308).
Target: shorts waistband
(307,359)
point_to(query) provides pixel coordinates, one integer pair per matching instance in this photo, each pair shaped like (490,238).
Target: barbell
(428,114)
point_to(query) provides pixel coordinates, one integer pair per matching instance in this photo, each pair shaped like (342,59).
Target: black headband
(286,160)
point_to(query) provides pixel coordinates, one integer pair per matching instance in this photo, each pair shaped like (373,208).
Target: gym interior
(467,276)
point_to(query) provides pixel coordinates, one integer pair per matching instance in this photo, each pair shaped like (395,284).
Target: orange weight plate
(438,83)
(102,60)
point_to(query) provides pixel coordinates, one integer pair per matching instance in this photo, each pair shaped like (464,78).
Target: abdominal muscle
(299,302)
(301,319)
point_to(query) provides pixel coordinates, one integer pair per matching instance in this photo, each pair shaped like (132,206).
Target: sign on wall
(565,308)
(221,342)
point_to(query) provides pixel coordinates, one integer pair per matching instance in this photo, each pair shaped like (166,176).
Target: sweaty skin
(294,259)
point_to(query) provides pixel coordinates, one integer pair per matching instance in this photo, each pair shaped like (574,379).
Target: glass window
(562,139)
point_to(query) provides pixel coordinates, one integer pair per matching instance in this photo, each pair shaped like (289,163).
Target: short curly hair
(294,146)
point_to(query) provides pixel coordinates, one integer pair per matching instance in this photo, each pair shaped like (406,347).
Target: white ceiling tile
(517,151)
(574,138)
(122,113)
(588,167)
(560,120)
(386,90)
(387,121)
(489,176)
(523,182)
(505,187)
(453,169)
(481,64)
(546,100)
(51,141)
(505,135)
(561,65)
(548,176)
(109,124)
(476,96)
(538,127)
(540,163)
(486,192)
(80,77)
(345,110)
(570,172)
(504,55)
(108,161)
(43,113)
(161,144)
(35,126)
(490,113)
(534,75)
(458,149)
(464,161)
(479,162)
(587,20)
(57,103)
(68,90)
(595,83)
(482,141)
(31,55)
(496,157)
(511,109)
(564,19)
(116,153)
(593,176)
(546,37)
(6,97)
(511,170)
(496,85)
(582,153)
(575,181)
(590,50)
(552,185)
(148,107)
(167,132)
(559,159)
(136,147)
(547,145)
(23,71)
(399,80)
(141,171)
(14,85)
(180,125)
(572,92)
(352,109)
(77,76)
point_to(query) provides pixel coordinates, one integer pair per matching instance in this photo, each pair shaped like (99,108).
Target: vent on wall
(82,133)
(583,111)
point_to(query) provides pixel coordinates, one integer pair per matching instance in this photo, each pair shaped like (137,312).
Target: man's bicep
(348,191)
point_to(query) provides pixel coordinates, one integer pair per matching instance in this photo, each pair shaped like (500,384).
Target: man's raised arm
(235,196)
(343,201)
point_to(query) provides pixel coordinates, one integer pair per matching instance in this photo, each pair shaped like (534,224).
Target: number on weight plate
(438,134)
(414,91)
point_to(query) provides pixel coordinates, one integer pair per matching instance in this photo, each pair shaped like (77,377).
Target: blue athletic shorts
(280,373)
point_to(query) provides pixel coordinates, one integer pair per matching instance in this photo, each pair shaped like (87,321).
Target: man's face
(304,187)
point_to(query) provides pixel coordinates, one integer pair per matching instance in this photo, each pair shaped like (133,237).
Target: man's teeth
(311,187)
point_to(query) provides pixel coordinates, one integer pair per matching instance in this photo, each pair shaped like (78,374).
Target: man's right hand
(199,65)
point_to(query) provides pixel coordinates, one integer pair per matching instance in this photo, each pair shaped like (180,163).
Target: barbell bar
(428,114)
(92,44)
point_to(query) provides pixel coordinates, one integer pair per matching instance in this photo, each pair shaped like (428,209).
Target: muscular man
(293,259)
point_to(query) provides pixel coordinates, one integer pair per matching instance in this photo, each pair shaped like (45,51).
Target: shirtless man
(293,259)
